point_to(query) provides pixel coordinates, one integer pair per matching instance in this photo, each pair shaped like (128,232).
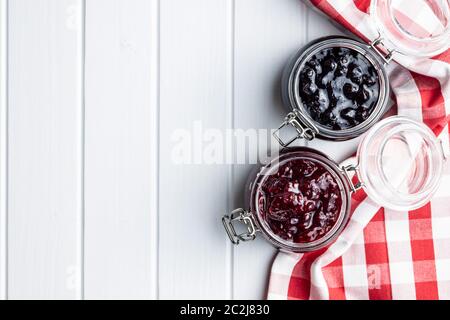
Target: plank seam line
(82,217)
(158,110)
(155,216)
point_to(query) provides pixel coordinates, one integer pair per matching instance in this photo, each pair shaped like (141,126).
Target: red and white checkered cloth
(383,254)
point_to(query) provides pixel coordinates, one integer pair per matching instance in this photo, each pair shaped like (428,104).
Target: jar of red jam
(301,200)
(337,88)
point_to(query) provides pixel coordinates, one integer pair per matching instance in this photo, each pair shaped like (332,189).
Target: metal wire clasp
(305,130)
(241,216)
(379,42)
(347,173)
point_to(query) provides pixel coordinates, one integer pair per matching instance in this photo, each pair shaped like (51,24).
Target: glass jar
(336,87)
(301,200)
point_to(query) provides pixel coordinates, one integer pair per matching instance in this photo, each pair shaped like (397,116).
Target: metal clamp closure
(305,129)
(241,216)
(347,173)
(379,42)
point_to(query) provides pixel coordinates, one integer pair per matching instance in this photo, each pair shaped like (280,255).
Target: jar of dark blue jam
(335,88)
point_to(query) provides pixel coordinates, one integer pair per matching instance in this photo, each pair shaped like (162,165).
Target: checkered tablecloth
(383,254)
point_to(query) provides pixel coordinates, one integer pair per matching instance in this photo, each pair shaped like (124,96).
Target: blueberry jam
(339,88)
(301,202)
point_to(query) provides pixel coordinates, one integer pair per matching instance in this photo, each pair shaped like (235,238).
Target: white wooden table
(91,204)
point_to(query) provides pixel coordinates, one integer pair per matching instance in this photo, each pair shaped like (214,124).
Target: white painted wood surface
(91,204)
(120,150)
(44,137)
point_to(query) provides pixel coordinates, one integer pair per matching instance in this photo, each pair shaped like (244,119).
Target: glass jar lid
(400,163)
(413,27)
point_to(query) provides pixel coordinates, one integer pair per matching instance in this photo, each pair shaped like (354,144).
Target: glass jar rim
(331,166)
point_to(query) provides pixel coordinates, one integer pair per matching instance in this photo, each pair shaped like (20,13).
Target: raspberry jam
(301,202)
(339,88)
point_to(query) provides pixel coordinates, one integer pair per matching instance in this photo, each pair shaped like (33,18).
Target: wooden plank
(268,32)
(121,149)
(3,150)
(44,141)
(195,84)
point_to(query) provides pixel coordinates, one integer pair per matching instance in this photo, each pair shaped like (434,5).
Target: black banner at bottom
(218,309)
